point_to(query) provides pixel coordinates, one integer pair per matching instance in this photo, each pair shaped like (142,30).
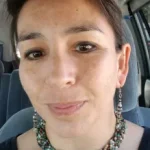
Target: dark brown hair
(108,8)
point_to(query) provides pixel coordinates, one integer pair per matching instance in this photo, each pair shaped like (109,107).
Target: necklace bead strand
(113,144)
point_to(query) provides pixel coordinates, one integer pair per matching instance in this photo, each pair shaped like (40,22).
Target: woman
(72,61)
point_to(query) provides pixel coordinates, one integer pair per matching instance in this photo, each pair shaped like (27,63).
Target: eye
(85,47)
(34,54)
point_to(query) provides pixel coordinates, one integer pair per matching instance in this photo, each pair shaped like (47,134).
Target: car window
(142,29)
(146,13)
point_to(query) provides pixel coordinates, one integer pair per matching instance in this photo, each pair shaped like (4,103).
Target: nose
(62,73)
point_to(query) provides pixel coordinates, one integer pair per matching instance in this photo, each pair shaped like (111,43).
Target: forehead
(57,14)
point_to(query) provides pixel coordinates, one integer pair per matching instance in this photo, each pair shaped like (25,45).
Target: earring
(35,120)
(119,107)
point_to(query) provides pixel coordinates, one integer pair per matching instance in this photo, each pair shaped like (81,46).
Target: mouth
(67,109)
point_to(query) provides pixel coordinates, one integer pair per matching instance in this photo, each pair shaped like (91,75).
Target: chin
(72,128)
(74,125)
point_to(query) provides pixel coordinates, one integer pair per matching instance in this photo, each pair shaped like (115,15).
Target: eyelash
(87,47)
(33,52)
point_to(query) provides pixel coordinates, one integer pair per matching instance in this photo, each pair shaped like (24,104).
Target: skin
(63,73)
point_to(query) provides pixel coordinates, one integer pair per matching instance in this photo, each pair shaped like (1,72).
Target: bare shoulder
(27,141)
(133,137)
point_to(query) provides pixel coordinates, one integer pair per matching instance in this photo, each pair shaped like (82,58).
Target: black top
(145,143)
(11,144)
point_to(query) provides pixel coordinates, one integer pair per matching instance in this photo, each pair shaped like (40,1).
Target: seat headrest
(17,97)
(130,89)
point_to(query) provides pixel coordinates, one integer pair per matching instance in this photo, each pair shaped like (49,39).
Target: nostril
(68,82)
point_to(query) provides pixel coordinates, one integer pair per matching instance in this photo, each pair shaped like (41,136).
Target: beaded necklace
(113,144)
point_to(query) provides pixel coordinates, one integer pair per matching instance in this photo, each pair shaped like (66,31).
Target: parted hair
(108,8)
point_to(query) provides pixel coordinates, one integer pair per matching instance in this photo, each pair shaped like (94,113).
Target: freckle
(77,9)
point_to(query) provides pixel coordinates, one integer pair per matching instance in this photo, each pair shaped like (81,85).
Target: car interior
(136,92)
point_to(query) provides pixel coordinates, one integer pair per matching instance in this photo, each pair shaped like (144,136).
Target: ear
(123,65)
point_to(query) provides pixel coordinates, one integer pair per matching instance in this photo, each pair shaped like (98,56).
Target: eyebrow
(30,36)
(71,30)
(83,28)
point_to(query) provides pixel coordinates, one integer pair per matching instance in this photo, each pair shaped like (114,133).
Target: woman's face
(68,55)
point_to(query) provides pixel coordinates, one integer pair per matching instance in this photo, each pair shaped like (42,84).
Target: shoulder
(145,142)
(137,137)
(132,137)
(27,141)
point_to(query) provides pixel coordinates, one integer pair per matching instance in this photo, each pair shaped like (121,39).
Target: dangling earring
(35,121)
(120,128)
(119,107)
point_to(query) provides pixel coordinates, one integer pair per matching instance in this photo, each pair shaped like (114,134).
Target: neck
(96,138)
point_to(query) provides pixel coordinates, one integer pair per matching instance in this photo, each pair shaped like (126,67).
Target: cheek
(101,77)
(31,81)
(96,75)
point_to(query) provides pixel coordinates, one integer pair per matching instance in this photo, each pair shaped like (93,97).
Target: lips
(66,108)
